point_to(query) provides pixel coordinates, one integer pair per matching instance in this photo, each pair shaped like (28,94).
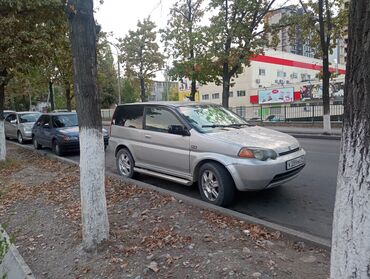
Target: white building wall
(275,76)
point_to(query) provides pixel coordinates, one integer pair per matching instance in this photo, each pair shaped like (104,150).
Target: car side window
(159,119)
(129,116)
(10,117)
(40,121)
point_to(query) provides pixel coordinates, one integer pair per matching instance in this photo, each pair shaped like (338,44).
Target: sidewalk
(152,235)
(305,132)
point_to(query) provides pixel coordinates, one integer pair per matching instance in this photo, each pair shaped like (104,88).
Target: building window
(309,77)
(241,93)
(294,75)
(281,74)
(231,94)
(262,72)
(216,96)
(205,97)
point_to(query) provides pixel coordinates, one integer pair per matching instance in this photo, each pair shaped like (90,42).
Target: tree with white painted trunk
(95,225)
(350,257)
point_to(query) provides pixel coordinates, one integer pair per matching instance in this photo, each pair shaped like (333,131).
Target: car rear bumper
(252,174)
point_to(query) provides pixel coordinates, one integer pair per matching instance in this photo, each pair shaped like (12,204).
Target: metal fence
(303,112)
(275,113)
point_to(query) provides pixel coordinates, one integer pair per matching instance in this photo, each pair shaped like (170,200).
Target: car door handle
(148,136)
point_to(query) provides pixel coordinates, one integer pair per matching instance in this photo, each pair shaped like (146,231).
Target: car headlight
(261,154)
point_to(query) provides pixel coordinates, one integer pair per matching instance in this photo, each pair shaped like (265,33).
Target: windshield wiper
(225,126)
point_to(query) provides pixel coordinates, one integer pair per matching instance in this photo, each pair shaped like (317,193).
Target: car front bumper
(252,174)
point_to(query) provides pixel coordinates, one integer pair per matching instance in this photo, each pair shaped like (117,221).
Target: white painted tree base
(95,225)
(2,142)
(327,124)
(350,256)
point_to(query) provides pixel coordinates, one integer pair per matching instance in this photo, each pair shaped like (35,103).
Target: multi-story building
(272,70)
(299,46)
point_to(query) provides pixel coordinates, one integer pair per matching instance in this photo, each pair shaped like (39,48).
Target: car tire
(57,149)
(20,137)
(35,143)
(215,184)
(125,163)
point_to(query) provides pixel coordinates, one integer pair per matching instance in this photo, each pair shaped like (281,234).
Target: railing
(304,112)
(275,113)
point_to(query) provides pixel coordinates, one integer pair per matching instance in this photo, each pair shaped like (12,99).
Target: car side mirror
(178,130)
(46,125)
(13,121)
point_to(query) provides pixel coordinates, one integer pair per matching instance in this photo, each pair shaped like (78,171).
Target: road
(305,203)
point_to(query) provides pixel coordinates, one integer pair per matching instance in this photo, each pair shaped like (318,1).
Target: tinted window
(11,117)
(129,116)
(43,120)
(158,119)
(28,117)
(68,120)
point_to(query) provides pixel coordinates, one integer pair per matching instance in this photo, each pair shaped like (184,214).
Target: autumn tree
(323,22)
(27,26)
(95,225)
(351,227)
(141,55)
(237,33)
(186,42)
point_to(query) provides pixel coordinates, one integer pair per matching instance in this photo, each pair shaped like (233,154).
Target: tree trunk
(51,92)
(326,93)
(193,90)
(351,227)
(95,225)
(225,86)
(2,130)
(142,90)
(68,96)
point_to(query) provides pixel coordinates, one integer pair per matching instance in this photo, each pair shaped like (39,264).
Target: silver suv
(205,143)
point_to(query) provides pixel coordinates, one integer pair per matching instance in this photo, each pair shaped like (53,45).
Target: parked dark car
(60,132)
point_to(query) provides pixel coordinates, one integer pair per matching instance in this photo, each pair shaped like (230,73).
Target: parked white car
(18,125)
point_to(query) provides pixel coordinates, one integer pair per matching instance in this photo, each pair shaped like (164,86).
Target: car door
(11,128)
(160,150)
(46,134)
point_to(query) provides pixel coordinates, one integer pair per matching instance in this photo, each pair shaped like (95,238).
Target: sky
(120,16)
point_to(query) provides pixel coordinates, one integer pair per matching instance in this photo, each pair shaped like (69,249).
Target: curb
(13,265)
(293,234)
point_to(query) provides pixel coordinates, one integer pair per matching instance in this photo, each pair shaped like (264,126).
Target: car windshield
(67,120)
(209,118)
(28,117)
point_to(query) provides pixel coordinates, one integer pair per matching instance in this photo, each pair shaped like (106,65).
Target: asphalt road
(305,203)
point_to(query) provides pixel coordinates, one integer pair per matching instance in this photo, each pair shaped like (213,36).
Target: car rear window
(129,116)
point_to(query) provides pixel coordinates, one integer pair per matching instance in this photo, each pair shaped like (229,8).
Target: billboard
(274,96)
(313,92)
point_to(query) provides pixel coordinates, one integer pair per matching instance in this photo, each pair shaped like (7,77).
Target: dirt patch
(151,235)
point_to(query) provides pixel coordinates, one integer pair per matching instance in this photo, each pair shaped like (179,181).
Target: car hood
(28,125)
(255,136)
(74,131)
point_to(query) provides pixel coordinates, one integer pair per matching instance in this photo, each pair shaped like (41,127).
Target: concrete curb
(13,265)
(291,233)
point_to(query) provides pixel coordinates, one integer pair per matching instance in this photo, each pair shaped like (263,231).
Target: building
(273,70)
(299,46)
(162,90)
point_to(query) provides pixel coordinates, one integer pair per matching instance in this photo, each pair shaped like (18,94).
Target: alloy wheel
(210,185)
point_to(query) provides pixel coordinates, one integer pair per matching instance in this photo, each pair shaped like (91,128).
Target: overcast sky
(120,16)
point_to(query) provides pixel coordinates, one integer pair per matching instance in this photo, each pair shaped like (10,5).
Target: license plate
(296,162)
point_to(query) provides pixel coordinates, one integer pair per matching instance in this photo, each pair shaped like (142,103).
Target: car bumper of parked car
(252,174)
(27,135)
(74,145)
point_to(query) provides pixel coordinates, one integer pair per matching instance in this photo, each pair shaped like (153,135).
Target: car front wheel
(125,163)
(20,137)
(57,148)
(216,185)
(36,144)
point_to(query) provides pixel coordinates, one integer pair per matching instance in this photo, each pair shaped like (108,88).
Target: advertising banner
(276,96)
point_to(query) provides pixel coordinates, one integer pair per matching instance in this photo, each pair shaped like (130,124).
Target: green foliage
(141,55)
(4,245)
(130,90)
(237,32)
(185,40)
(106,75)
